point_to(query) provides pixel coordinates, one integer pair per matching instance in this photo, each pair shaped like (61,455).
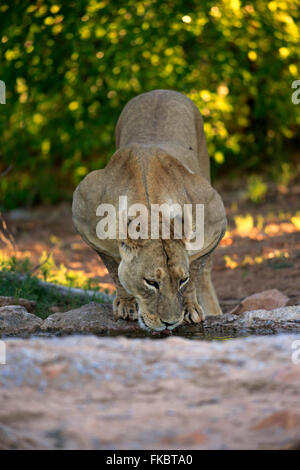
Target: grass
(29,288)
(46,297)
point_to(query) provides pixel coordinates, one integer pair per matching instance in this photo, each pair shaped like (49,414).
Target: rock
(257,321)
(19,215)
(91,318)
(267,300)
(278,315)
(96,318)
(54,309)
(84,392)
(15,320)
(29,305)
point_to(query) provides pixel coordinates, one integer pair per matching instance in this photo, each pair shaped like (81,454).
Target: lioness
(161,157)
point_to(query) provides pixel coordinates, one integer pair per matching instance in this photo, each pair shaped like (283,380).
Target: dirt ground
(261,249)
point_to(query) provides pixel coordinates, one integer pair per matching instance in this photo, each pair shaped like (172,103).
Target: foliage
(29,288)
(70,67)
(257,189)
(47,270)
(296,220)
(244,224)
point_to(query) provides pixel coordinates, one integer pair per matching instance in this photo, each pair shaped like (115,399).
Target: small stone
(15,320)
(54,309)
(30,305)
(19,215)
(266,300)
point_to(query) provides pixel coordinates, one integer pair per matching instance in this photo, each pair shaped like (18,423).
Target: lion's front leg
(205,291)
(193,312)
(124,304)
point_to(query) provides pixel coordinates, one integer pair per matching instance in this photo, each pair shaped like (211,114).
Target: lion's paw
(193,313)
(127,308)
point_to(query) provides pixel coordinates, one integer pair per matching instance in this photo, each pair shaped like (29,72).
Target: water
(203,334)
(196,335)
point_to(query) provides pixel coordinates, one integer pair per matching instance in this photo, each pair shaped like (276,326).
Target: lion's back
(156,117)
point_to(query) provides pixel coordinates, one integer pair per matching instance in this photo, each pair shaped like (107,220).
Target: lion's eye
(183,281)
(152,283)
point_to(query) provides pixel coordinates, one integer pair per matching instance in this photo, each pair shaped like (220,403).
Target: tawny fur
(161,157)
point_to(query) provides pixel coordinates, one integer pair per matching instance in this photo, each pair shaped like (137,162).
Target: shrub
(70,67)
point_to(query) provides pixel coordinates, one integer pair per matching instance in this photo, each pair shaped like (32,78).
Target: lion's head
(155,272)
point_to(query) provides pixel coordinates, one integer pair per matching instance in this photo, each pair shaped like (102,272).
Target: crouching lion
(161,158)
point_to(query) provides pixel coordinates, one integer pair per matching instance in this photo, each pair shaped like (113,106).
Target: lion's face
(156,273)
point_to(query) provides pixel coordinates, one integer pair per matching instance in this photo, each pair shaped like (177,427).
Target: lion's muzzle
(152,322)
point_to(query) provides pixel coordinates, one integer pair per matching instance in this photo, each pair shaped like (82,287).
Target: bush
(70,67)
